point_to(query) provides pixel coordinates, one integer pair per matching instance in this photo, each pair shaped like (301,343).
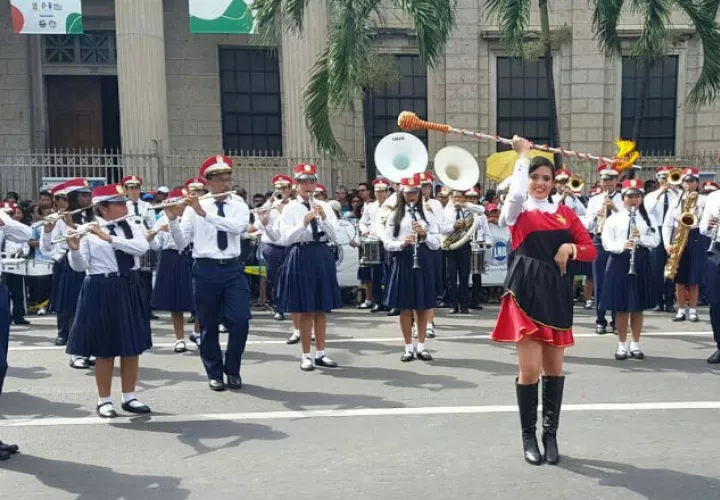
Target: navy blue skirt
(410,288)
(577,268)
(628,293)
(694,266)
(365,273)
(112,318)
(308,281)
(67,292)
(173,284)
(58,269)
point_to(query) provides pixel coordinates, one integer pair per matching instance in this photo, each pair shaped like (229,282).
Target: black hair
(124,225)
(74,204)
(541,161)
(641,208)
(45,192)
(400,213)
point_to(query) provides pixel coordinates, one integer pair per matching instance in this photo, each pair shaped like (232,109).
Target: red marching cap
(710,186)
(408,184)
(177,194)
(632,186)
(472,192)
(595,190)
(9,207)
(305,172)
(492,207)
(425,177)
(67,187)
(605,170)
(319,188)
(281,181)
(662,170)
(380,185)
(691,172)
(132,180)
(562,174)
(217,164)
(195,184)
(111,192)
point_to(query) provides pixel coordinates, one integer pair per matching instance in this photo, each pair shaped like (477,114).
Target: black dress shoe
(216,385)
(325,362)
(140,409)
(4,455)
(715,358)
(61,341)
(464,310)
(454,310)
(659,308)
(234,382)
(10,448)
(424,355)
(394,312)
(407,356)
(378,308)
(21,322)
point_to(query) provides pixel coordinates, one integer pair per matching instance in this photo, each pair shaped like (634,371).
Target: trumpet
(416,259)
(209,196)
(86,230)
(675,176)
(712,249)
(311,201)
(574,185)
(55,217)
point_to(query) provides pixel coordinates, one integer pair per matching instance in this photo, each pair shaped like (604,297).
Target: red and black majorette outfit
(538,301)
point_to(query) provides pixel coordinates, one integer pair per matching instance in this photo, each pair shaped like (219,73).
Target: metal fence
(24,172)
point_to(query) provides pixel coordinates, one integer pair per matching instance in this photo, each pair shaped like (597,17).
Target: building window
(90,48)
(523,106)
(657,131)
(384,104)
(250,83)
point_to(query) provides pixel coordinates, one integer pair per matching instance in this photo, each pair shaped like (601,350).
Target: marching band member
(693,264)
(173,284)
(458,260)
(144,216)
(482,234)
(598,210)
(709,187)
(10,230)
(58,253)
(368,227)
(112,319)
(537,310)
(215,228)
(320,192)
(196,186)
(629,236)
(709,227)
(658,204)
(15,282)
(69,282)
(433,206)
(410,236)
(565,194)
(309,284)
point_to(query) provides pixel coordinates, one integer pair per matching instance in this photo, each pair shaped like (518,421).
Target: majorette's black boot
(527,398)
(552,388)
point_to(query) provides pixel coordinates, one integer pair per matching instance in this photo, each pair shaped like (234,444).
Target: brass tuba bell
(675,176)
(576,184)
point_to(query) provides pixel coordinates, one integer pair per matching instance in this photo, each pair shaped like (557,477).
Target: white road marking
(360,412)
(380,340)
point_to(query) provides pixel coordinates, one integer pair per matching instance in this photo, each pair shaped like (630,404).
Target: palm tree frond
(606,16)
(433,20)
(513,16)
(264,13)
(653,37)
(317,108)
(707,87)
(293,13)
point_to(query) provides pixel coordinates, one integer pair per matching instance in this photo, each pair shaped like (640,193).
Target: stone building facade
(165,89)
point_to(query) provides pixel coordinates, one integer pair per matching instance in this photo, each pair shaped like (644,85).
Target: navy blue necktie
(137,209)
(459,214)
(125,261)
(313,225)
(666,205)
(222,239)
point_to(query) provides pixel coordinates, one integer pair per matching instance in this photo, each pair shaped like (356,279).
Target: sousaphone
(459,171)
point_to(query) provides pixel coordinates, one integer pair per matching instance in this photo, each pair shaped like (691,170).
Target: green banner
(46,18)
(221,16)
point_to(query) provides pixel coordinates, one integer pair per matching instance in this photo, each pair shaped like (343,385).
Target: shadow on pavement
(650,364)
(298,401)
(28,373)
(21,404)
(401,378)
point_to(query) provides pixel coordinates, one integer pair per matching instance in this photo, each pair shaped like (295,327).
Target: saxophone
(688,219)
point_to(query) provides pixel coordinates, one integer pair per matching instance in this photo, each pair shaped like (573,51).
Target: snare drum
(478,264)
(335,249)
(15,266)
(371,253)
(39,267)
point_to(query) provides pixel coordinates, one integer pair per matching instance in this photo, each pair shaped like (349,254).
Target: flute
(53,218)
(209,196)
(86,230)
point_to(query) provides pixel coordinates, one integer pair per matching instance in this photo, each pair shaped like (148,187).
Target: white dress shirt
(369,217)
(449,216)
(17,250)
(293,230)
(270,231)
(712,209)
(395,243)
(147,214)
(96,256)
(483,230)
(13,231)
(615,232)
(595,204)
(163,240)
(202,231)
(572,202)
(57,250)
(655,204)
(673,217)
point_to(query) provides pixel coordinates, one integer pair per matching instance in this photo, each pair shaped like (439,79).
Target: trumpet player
(658,204)
(599,208)
(629,236)
(410,236)
(481,234)
(309,286)
(710,227)
(692,264)
(567,193)
(369,227)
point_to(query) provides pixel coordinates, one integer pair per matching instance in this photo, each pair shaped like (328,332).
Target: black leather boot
(552,388)
(527,398)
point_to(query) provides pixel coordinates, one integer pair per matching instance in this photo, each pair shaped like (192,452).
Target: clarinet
(631,227)
(416,260)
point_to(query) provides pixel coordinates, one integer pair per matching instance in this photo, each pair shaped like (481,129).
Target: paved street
(374,428)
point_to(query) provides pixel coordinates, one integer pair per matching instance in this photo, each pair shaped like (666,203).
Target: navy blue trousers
(458,274)
(146,278)
(274,257)
(222,295)
(377,283)
(598,279)
(4,332)
(665,288)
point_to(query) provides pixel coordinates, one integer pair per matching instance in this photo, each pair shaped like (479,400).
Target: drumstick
(627,155)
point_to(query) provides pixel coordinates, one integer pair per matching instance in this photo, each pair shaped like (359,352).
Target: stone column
(298,55)
(142,82)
